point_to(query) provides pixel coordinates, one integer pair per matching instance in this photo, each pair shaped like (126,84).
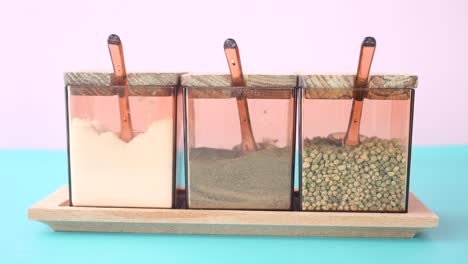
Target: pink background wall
(41,39)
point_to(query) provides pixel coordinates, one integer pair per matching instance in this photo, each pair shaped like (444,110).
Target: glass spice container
(107,171)
(219,174)
(372,176)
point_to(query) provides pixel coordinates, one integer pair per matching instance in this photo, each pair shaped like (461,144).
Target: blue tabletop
(439,177)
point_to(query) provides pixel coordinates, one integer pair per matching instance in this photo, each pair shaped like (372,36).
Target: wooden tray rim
(55,208)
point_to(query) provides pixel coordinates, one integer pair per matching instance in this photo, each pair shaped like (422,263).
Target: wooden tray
(55,212)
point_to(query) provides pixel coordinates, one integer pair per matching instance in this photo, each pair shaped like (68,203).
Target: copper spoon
(237,80)
(120,79)
(352,137)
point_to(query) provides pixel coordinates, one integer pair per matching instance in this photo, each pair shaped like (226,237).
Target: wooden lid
(271,81)
(259,86)
(340,86)
(139,84)
(346,81)
(134,79)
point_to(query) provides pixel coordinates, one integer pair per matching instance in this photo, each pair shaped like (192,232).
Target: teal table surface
(439,177)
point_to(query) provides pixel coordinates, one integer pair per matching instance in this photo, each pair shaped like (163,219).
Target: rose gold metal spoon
(352,137)
(237,80)
(120,79)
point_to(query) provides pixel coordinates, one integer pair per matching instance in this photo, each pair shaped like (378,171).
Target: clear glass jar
(107,171)
(372,176)
(219,174)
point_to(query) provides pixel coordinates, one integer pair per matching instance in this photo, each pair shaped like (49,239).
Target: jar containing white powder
(105,170)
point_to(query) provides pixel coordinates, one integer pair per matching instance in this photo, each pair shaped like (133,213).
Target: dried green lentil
(369,177)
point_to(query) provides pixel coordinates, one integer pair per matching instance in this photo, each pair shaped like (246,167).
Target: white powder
(106,171)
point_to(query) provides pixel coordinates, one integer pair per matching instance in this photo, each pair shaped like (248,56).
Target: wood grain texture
(346,81)
(223,93)
(258,86)
(139,84)
(381,87)
(251,80)
(55,212)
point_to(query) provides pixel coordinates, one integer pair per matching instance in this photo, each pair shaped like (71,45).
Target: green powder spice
(369,177)
(225,179)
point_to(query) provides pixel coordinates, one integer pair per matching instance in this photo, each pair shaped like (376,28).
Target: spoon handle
(237,79)
(120,79)
(359,91)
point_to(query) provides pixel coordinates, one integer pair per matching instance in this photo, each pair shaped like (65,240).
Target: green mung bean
(369,177)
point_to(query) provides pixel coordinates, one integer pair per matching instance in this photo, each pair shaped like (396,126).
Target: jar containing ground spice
(370,174)
(239,157)
(121,157)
